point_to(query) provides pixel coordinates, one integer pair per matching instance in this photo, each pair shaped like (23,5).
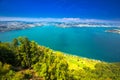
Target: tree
(6,54)
(15,43)
(52,66)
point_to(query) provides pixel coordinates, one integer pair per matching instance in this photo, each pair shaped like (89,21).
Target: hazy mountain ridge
(16,25)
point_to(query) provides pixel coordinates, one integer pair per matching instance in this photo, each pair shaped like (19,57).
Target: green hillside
(26,60)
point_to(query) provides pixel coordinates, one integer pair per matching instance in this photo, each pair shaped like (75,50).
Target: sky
(86,9)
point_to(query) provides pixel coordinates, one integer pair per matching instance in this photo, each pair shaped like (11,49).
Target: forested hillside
(23,59)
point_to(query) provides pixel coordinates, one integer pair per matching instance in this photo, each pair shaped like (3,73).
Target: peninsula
(114,31)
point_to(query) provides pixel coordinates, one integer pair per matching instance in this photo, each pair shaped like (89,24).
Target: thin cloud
(57,20)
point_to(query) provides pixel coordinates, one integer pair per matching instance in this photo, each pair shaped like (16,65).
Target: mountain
(17,25)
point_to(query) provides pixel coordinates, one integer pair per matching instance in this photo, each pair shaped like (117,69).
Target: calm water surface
(86,42)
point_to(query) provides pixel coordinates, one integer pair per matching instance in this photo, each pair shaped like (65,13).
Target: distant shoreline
(19,25)
(117,31)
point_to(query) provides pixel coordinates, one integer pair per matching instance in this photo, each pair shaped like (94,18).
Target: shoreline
(117,31)
(19,25)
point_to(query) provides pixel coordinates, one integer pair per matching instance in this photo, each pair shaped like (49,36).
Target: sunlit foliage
(23,59)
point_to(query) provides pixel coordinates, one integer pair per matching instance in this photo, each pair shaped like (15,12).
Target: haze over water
(87,42)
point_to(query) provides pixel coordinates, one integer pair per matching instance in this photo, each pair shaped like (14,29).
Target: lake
(90,42)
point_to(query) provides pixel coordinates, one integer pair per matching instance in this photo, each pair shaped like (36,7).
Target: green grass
(76,62)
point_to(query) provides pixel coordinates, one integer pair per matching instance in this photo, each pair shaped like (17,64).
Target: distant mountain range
(16,25)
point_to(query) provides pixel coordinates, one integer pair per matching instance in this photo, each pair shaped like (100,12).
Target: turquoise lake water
(87,42)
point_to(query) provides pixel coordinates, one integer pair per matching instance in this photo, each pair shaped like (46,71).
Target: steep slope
(24,60)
